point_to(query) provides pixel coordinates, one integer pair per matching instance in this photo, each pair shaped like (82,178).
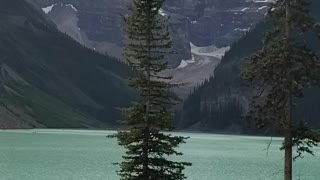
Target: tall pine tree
(148,148)
(280,72)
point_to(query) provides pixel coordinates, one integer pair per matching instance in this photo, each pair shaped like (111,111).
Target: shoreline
(123,129)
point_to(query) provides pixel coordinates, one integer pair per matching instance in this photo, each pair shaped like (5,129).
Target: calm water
(88,155)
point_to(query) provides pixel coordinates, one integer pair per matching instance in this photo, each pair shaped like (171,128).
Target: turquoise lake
(89,155)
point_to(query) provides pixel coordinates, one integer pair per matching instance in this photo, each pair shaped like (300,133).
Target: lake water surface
(88,155)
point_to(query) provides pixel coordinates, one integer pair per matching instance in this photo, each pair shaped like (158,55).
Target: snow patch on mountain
(207,51)
(244,9)
(48,9)
(263,7)
(243,30)
(200,67)
(163,13)
(70,5)
(264,1)
(211,51)
(185,63)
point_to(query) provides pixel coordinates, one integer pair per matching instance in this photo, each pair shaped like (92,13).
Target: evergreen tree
(2,79)
(280,72)
(148,148)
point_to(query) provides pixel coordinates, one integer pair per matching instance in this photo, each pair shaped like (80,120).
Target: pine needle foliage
(280,72)
(148,148)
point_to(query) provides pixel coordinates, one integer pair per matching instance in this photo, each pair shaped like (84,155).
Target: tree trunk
(288,117)
(146,134)
(288,155)
(2,79)
(145,167)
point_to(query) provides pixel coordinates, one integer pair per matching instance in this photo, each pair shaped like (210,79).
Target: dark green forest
(65,83)
(219,103)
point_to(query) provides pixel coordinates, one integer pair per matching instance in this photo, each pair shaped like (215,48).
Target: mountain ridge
(66,84)
(98,25)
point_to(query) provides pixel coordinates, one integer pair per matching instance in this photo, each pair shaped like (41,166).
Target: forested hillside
(49,80)
(219,103)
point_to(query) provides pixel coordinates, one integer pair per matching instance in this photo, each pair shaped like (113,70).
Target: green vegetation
(222,92)
(148,147)
(226,96)
(62,76)
(279,72)
(47,110)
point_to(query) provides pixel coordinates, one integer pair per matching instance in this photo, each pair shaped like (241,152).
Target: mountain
(218,22)
(98,24)
(217,105)
(50,80)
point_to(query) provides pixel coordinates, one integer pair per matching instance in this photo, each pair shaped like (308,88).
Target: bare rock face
(219,22)
(98,24)
(212,27)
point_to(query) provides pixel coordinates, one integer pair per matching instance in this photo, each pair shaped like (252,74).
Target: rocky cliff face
(219,22)
(97,24)
(212,26)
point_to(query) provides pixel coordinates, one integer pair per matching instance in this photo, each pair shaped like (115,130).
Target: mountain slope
(219,103)
(51,80)
(97,24)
